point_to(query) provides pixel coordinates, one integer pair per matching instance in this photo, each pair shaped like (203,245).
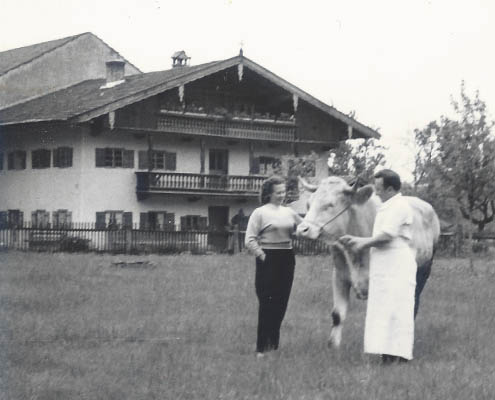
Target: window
(40,219)
(1,161)
(219,161)
(62,157)
(157,220)
(193,223)
(113,220)
(40,158)
(62,219)
(112,157)
(15,218)
(17,160)
(264,165)
(159,160)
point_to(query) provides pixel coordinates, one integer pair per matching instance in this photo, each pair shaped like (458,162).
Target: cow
(335,209)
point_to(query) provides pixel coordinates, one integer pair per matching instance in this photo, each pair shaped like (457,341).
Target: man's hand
(354,243)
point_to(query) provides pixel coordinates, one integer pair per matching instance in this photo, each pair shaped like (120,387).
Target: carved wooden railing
(148,182)
(236,127)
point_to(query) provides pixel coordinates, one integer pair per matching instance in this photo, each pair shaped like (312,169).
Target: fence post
(128,239)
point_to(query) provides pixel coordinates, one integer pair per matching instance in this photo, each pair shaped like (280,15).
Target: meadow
(184,327)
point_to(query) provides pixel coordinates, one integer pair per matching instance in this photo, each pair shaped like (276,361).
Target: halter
(320,227)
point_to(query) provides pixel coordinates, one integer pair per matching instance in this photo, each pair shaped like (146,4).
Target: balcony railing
(236,127)
(172,182)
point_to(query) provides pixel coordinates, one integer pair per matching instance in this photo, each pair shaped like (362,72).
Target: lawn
(183,327)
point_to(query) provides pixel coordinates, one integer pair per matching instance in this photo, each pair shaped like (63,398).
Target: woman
(268,237)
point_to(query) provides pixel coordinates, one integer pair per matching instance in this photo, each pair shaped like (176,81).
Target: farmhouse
(86,137)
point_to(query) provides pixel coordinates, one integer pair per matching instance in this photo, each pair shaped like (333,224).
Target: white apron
(389,326)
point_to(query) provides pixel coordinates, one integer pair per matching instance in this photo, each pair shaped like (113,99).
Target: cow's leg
(341,289)
(422,276)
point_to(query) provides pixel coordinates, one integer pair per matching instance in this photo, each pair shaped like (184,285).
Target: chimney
(115,70)
(180,59)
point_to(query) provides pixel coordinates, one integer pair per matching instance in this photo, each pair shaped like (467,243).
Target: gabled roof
(12,59)
(85,101)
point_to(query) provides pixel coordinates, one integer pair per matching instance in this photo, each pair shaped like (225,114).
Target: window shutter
(183,223)
(171,161)
(22,157)
(46,219)
(128,159)
(56,157)
(203,223)
(68,157)
(10,161)
(143,159)
(55,223)
(68,217)
(169,222)
(21,213)
(34,219)
(100,157)
(255,166)
(100,220)
(3,219)
(143,221)
(1,161)
(127,220)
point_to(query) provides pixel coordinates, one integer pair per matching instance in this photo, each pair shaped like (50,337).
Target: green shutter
(170,161)
(143,159)
(100,220)
(127,220)
(169,222)
(100,158)
(128,159)
(56,157)
(254,168)
(143,221)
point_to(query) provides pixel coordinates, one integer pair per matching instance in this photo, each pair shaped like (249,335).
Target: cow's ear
(363,194)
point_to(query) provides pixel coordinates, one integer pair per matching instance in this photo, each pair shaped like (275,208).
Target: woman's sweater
(271,227)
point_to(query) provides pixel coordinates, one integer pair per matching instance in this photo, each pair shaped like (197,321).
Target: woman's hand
(262,257)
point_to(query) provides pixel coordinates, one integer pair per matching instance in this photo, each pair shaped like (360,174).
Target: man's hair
(267,188)
(390,179)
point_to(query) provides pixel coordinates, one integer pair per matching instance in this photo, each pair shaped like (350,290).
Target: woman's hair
(267,188)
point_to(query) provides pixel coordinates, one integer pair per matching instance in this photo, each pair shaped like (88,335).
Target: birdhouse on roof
(179,59)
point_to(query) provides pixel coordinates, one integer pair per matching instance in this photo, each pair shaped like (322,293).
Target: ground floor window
(113,219)
(62,219)
(40,219)
(62,157)
(11,219)
(193,223)
(17,160)
(157,220)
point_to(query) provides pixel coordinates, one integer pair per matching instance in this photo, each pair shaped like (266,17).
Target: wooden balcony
(199,184)
(219,126)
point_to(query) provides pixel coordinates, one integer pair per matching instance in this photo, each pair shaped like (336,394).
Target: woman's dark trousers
(274,278)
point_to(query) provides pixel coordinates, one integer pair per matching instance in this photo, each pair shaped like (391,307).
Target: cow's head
(331,209)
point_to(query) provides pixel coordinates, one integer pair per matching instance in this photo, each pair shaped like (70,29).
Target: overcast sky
(395,63)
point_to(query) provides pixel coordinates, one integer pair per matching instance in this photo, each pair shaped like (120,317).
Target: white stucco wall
(85,189)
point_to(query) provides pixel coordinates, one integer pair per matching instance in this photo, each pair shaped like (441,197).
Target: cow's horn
(308,186)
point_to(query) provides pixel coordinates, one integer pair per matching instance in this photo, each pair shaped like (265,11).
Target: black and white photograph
(233,199)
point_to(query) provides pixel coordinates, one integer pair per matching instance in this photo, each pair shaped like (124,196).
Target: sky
(395,63)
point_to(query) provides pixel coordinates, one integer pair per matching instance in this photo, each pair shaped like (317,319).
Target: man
(389,326)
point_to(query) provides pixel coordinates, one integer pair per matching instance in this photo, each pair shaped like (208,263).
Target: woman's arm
(252,231)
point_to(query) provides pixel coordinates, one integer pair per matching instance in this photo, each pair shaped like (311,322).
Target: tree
(455,163)
(456,159)
(356,157)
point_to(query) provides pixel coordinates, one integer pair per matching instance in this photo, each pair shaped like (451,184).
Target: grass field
(183,327)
